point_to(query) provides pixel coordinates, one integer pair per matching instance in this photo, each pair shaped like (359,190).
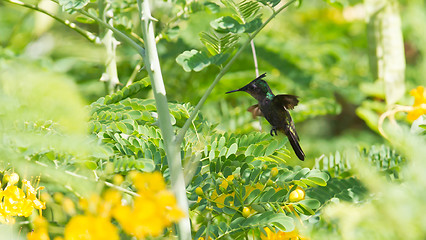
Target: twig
(253,50)
(134,73)
(90,36)
(391,115)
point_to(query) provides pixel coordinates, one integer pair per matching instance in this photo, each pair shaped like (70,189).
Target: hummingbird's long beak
(237,90)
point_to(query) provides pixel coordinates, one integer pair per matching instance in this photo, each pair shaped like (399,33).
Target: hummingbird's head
(258,88)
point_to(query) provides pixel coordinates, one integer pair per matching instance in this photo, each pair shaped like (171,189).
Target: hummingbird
(275,108)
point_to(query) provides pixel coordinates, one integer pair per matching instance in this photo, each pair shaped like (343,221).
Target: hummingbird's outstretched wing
(286,100)
(255,111)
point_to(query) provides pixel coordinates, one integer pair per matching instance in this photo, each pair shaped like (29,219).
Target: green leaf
(280,220)
(318,181)
(335,3)
(306,206)
(248,10)
(253,194)
(311,203)
(267,195)
(226,25)
(193,60)
(232,149)
(135,114)
(271,3)
(213,7)
(217,44)
(252,25)
(219,58)
(278,196)
(237,222)
(270,149)
(144,164)
(71,5)
(84,19)
(91,165)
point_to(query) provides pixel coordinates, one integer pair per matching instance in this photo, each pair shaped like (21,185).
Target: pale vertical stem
(111,64)
(253,50)
(386,47)
(152,64)
(256,69)
(110,77)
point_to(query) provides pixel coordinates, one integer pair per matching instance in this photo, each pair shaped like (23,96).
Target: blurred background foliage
(317,50)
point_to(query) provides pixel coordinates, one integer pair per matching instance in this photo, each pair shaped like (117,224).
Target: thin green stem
(253,50)
(197,108)
(134,73)
(152,64)
(90,36)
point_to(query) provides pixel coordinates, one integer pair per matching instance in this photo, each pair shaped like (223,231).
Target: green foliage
(224,36)
(41,135)
(127,91)
(232,183)
(385,160)
(347,189)
(392,208)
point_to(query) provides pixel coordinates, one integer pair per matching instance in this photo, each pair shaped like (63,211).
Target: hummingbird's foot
(272,132)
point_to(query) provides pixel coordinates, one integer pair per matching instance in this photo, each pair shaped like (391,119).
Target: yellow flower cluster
(419,106)
(15,202)
(154,209)
(270,235)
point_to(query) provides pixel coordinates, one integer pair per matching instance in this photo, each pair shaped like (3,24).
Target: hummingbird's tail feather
(293,139)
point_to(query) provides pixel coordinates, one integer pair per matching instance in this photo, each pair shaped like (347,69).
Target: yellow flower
(150,182)
(226,181)
(32,195)
(89,227)
(419,103)
(13,179)
(40,232)
(68,206)
(152,211)
(297,195)
(270,235)
(14,201)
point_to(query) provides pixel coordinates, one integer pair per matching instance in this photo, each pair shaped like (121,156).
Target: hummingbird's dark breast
(275,115)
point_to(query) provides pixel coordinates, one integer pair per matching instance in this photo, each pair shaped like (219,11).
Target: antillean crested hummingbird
(275,109)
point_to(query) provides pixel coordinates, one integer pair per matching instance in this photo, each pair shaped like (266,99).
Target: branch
(253,50)
(391,115)
(90,36)
(174,160)
(197,108)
